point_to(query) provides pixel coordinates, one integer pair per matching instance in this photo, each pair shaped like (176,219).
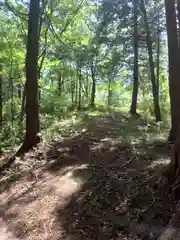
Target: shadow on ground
(122,196)
(115,164)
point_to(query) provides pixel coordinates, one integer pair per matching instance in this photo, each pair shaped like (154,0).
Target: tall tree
(174,73)
(133,109)
(32,108)
(178,15)
(93,90)
(151,64)
(158,51)
(1,104)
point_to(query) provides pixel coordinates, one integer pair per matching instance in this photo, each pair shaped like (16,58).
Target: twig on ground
(25,231)
(125,164)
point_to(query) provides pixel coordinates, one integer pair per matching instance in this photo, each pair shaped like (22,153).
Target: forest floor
(102,180)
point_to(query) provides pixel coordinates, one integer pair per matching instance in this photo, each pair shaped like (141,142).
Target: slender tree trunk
(80,88)
(158,56)
(23,104)
(11,85)
(60,83)
(178,15)
(12,101)
(87,85)
(31,89)
(93,90)
(151,63)
(19,91)
(76,92)
(1,100)
(109,91)
(133,109)
(174,73)
(72,91)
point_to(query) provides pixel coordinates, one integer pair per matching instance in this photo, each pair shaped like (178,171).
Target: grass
(129,129)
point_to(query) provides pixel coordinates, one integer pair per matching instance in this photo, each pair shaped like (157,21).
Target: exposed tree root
(24,148)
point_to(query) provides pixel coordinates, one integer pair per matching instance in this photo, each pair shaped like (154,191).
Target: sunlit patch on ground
(98,180)
(163,161)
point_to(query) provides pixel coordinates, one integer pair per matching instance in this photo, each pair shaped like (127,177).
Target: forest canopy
(108,54)
(89,119)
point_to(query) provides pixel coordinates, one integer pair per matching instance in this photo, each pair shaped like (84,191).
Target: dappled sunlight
(88,118)
(32,203)
(103,144)
(93,179)
(61,127)
(160,162)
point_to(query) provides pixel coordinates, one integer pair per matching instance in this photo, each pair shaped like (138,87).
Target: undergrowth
(70,123)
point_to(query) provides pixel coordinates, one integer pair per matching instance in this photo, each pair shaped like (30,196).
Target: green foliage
(79,40)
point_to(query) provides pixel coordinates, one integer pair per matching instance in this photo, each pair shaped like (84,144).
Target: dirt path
(91,185)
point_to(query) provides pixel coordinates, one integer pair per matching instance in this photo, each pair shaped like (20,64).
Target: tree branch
(15,12)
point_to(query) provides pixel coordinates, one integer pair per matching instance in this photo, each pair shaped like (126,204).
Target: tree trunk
(19,91)
(31,89)
(93,90)
(87,86)
(11,85)
(174,74)
(151,63)
(158,56)
(178,13)
(80,87)
(133,109)
(72,91)
(12,101)
(174,88)
(23,104)
(1,104)
(76,92)
(60,83)
(109,91)
(31,86)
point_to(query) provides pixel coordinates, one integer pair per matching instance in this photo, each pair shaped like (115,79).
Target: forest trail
(101,182)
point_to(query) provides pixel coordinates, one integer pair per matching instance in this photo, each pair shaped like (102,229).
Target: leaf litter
(87,186)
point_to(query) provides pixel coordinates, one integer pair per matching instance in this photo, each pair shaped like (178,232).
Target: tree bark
(1,100)
(23,104)
(178,15)
(109,91)
(174,73)
(151,63)
(79,87)
(31,86)
(11,84)
(19,91)
(93,90)
(172,231)
(158,55)
(133,109)
(31,89)
(72,91)
(60,84)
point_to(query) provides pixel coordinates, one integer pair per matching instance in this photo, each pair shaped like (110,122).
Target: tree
(93,90)
(174,88)
(174,74)
(133,109)
(89,54)
(32,108)
(151,64)
(158,51)
(1,104)
(178,13)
